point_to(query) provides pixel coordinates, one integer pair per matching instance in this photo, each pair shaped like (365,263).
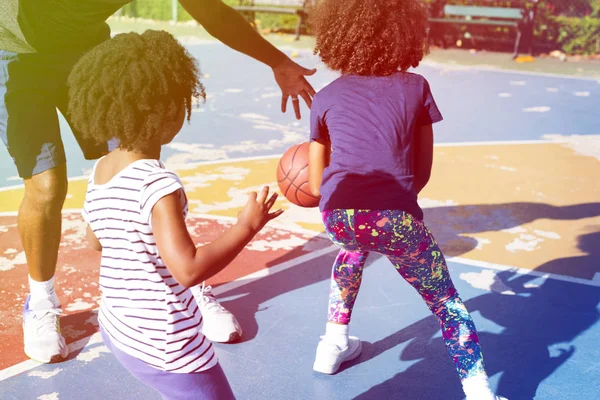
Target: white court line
(498,143)
(487,68)
(525,271)
(28,365)
(226,287)
(96,338)
(244,280)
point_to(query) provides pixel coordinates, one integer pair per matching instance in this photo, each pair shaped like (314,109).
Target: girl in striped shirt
(139,89)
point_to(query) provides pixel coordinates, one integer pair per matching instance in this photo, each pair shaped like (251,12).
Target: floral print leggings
(411,248)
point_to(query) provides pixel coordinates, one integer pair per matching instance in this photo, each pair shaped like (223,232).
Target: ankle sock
(478,388)
(42,295)
(337,334)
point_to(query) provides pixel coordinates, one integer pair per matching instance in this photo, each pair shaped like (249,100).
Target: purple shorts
(211,384)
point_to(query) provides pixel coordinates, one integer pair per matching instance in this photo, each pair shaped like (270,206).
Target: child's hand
(255,213)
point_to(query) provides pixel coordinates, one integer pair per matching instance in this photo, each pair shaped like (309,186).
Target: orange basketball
(292,176)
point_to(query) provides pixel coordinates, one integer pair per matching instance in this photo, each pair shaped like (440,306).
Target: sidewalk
(192,33)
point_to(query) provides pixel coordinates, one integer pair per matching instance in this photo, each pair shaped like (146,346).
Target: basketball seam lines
(291,167)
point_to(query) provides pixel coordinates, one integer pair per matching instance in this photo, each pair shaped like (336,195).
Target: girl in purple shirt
(370,155)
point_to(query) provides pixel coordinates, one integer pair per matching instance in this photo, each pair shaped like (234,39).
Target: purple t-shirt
(371,122)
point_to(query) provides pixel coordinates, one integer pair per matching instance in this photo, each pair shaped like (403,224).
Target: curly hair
(370,37)
(130,86)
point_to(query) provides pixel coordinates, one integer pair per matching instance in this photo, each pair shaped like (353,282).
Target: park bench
(520,18)
(249,7)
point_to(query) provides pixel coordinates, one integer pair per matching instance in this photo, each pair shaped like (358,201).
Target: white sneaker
(498,398)
(219,325)
(330,356)
(41,334)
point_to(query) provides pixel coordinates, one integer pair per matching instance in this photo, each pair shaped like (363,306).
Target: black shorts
(32,87)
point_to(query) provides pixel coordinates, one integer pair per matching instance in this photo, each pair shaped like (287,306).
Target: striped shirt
(146,313)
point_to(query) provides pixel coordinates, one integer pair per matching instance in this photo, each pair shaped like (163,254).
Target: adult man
(40,41)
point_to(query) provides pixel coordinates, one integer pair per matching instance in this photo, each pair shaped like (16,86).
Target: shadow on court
(530,321)
(448,223)
(79,326)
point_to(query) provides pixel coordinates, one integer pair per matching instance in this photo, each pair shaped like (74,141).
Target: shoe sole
(56,358)
(332,369)
(233,337)
(53,359)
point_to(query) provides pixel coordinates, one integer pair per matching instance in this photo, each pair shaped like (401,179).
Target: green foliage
(277,22)
(578,35)
(572,26)
(160,10)
(556,26)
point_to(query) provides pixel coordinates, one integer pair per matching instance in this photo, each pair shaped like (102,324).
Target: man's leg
(39,225)
(29,129)
(40,220)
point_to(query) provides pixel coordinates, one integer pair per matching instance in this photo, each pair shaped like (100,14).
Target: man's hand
(291,79)
(227,25)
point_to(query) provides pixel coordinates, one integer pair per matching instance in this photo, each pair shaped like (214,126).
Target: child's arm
(319,153)
(190,265)
(92,239)
(423,159)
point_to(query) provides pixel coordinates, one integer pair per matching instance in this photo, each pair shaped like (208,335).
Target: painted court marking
(498,143)
(459,67)
(28,365)
(95,338)
(268,157)
(523,271)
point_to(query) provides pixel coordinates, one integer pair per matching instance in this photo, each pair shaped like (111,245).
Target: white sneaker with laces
(330,356)
(41,334)
(219,325)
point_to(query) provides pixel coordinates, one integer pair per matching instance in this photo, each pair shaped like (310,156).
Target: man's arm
(228,26)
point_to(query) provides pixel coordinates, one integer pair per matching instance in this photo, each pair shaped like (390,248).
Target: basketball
(292,176)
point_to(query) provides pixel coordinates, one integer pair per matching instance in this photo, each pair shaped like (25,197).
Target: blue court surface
(539,336)
(526,248)
(242,115)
